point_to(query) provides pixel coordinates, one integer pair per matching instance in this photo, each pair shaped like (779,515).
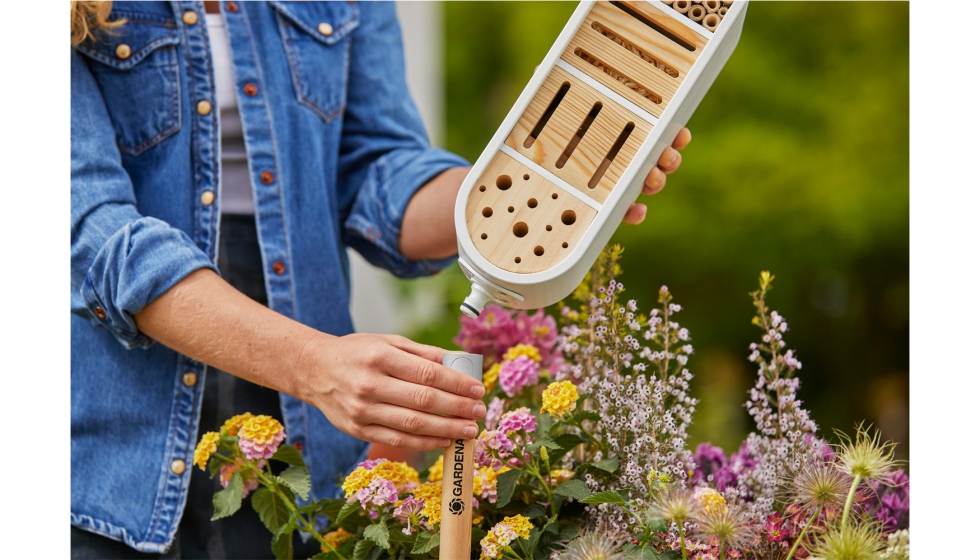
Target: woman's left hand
(669,161)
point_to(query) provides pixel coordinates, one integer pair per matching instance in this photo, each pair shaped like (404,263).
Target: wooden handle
(456,530)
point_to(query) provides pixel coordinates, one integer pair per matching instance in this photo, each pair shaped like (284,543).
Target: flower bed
(584,455)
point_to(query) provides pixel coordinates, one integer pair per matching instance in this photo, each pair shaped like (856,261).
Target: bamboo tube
(695,1)
(457,479)
(682,6)
(696,13)
(711,22)
(722,11)
(726,2)
(668,2)
(711,5)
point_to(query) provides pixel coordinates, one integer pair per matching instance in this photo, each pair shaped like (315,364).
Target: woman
(223,159)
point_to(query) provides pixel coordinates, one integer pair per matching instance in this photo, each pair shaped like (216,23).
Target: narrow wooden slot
(619,40)
(654,25)
(618,145)
(573,143)
(619,76)
(546,116)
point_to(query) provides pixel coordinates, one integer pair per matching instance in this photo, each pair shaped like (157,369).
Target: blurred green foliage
(799,165)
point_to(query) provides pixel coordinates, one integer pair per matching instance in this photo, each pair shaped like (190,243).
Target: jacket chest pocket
(135,66)
(315,36)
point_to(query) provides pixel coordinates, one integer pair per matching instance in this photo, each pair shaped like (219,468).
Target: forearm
(205,318)
(428,229)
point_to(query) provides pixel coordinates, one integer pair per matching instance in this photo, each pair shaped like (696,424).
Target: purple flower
(517,374)
(889,504)
(710,460)
(371,463)
(408,513)
(496,330)
(494,410)
(518,420)
(491,445)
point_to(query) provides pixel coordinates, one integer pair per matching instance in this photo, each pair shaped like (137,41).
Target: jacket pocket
(135,66)
(315,37)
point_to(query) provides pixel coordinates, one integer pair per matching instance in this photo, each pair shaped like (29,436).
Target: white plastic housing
(540,289)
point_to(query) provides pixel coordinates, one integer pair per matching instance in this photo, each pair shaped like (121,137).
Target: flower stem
(850,500)
(803,532)
(680,528)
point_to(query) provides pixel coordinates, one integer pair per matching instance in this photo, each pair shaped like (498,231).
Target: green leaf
(543,441)
(607,497)
(378,533)
(567,442)
(425,542)
(289,454)
(328,506)
(282,546)
(271,509)
(567,533)
(362,549)
(575,489)
(657,526)
(346,511)
(609,464)
(534,511)
(229,500)
(297,479)
(505,487)
(214,466)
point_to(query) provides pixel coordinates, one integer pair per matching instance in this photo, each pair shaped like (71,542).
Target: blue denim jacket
(335,148)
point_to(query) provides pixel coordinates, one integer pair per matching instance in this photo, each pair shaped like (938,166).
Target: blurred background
(799,166)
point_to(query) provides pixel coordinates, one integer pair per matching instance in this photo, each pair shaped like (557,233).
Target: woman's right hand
(390,390)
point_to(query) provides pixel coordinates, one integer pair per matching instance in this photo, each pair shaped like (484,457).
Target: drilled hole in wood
(520,229)
(487,212)
(617,145)
(554,196)
(564,245)
(568,217)
(510,209)
(532,203)
(504,182)
(483,236)
(582,129)
(539,250)
(619,77)
(654,25)
(619,40)
(547,227)
(546,116)
(483,188)
(526,176)
(517,260)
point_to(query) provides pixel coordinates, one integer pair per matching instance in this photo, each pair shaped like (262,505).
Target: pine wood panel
(656,46)
(565,122)
(502,245)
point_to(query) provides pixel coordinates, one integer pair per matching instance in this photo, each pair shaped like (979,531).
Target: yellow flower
(207,446)
(559,476)
(431,493)
(520,524)
(398,473)
(523,350)
(435,471)
(260,429)
(710,500)
(559,398)
(233,424)
(540,330)
(485,483)
(490,377)
(335,539)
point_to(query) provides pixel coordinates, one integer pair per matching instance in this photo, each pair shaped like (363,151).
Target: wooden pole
(456,527)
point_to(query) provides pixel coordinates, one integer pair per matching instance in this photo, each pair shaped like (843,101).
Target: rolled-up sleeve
(120,260)
(385,154)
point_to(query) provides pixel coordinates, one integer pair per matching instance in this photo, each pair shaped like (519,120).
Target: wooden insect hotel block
(570,157)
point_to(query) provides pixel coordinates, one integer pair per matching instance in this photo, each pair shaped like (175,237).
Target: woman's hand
(390,390)
(669,161)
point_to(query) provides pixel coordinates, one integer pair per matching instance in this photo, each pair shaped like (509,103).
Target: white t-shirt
(236,186)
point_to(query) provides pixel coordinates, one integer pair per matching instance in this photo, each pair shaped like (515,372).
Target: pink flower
(409,513)
(518,420)
(491,445)
(497,330)
(249,483)
(380,492)
(494,410)
(260,436)
(517,374)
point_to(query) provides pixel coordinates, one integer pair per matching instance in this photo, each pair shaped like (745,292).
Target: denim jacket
(335,149)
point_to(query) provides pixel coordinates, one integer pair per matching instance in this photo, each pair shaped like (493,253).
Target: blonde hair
(88,18)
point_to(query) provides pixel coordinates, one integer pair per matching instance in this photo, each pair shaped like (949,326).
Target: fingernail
(469,432)
(479,410)
(445,443)
(477,391)
(674,156)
